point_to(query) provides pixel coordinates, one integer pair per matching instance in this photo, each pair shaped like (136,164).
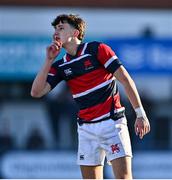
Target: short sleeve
(54,76)
(108,58)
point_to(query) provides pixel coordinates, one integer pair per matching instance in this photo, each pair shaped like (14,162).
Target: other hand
(142,126)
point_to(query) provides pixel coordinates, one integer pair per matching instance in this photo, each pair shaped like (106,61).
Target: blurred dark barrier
(165,4)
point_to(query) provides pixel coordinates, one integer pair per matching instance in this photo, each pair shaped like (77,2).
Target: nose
(55,36)
(56,31)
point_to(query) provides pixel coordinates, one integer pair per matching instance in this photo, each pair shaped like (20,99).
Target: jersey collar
(80,51)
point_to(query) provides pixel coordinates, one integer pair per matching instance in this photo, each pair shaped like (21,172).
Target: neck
(72,47)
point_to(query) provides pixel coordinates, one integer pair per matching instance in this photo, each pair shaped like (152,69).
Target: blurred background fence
(38,137)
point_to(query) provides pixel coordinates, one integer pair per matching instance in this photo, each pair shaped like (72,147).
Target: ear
(76,33)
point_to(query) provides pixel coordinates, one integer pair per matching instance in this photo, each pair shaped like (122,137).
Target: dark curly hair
(73,20)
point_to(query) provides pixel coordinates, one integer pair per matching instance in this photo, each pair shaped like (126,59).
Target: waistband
(114,117)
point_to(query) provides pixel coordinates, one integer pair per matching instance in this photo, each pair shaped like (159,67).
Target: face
(64,32)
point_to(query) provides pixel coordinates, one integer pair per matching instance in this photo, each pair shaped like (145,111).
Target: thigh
(89,151)
(116,141)
(92,172)
(122,167)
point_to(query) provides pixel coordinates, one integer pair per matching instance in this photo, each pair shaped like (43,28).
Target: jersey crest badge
(88,65)
(68,71)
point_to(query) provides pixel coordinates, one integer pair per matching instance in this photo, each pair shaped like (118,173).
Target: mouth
(56,38)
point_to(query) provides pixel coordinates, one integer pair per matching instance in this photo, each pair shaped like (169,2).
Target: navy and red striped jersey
(89,75)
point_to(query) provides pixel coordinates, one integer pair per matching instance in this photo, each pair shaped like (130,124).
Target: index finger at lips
(53,48)
(58,44)
(55,38)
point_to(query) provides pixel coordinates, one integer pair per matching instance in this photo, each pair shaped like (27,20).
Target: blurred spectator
(162,140)
(35,140)
(63,112)
(147,32)
(6,139)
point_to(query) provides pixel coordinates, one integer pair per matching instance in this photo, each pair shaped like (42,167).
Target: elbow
(35,94)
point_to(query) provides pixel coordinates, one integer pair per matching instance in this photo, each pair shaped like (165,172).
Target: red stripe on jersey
(53,70)
(89,80)
(79,52)
(67,58)
(100,109)
(104,53)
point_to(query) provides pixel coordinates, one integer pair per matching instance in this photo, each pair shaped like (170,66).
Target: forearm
(40,81)
(133,96)
(130,88)
(132,93)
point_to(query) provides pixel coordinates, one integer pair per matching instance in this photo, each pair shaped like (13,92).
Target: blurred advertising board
(62,165)
(40,164)
(144,55)
(21,56)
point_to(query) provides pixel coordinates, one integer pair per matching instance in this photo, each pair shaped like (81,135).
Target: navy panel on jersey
(96,97)
(54,76)
(78,68)
(114,65)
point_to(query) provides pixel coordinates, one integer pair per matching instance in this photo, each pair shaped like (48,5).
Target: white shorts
(108,139)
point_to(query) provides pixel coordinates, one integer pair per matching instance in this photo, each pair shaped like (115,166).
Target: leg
(90,155)
(92,172)
(122,167)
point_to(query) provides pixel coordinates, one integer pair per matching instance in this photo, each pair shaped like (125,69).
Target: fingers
(147,129)
(55,37)
(147,126)
(142,127)
(52,51)
(141,134)
(56,40)
(136,130)
(58,44)
(54,47)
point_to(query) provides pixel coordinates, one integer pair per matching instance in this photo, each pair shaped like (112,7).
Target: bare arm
(130,88)
(40,86)
(142,125)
